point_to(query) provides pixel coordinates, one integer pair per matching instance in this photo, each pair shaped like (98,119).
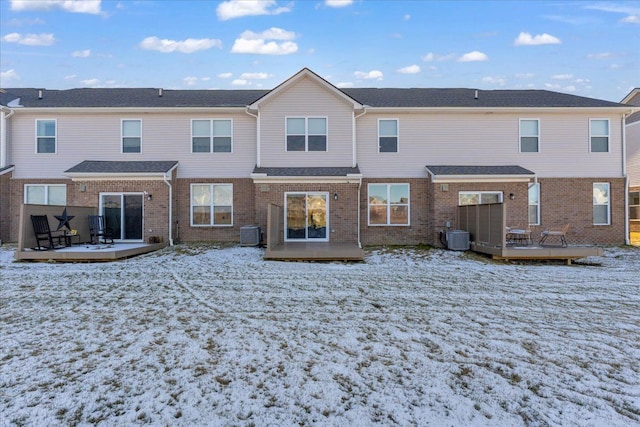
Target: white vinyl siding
(601,203)
(529,135)
(438,138)
(306,99)
(599,135)
(211,205)
(45,194)
(132,136)
(46,136)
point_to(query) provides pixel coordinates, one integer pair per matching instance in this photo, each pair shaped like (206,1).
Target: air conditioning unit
(457,240)
(250,235)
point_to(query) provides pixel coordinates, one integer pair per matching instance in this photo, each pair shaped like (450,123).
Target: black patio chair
(97,230)
(51,239)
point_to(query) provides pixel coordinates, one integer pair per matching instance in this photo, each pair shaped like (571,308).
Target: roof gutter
(3,135)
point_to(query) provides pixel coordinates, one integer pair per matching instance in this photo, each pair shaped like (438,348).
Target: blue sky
(587,48)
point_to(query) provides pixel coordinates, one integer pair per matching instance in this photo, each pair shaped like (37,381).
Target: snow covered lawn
(198,335)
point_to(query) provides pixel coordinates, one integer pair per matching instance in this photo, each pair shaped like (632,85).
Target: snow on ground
(199,335)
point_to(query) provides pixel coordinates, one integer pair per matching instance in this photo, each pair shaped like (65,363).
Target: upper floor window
(388,136)
(45,194)
(46,136)
(306,134)
(599,135)
(131,136)
(211,136)
(388,204)
(601,199)
(534,204)
(211,204)
(634,206)
(529,135)
(479,197)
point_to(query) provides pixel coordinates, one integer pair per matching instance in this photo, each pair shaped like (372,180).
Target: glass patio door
(123,215)
(306,216)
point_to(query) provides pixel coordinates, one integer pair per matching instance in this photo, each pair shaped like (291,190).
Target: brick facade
(5,207)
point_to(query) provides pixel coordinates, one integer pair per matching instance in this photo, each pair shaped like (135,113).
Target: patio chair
(562,234)
(97,230)
(51,239)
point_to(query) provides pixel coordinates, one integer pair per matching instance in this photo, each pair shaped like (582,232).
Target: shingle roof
(316,171)
(373,97)
(440,170)
(5,169)
(120,167)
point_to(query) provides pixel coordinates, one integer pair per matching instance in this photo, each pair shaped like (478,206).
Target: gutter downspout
(3,136)
(354,162)
(627,240)
(164,178)
(359,214)
(257,117)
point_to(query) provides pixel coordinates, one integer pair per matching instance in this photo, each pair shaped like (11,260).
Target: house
(362,165)
(633,159)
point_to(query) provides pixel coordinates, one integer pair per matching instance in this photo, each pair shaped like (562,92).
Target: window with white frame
(45,194)
(529,135)
(46,135)
(388,136)
(211,204)
(389,204)
(534,204)
(479,197)
(306,133)
(599,135)
(634,205)
(601,204)
(131,136)
(211,136)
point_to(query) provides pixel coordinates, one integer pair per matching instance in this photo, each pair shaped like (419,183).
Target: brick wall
(570,200)
(343,213)
(414,234)
(5,207)
(243,211)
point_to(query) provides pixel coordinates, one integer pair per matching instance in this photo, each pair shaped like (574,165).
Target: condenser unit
(250,235)
(457,240)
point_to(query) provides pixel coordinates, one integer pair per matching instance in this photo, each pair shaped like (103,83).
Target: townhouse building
(365,165)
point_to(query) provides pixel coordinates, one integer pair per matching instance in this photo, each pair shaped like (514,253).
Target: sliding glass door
(123,215)
(306,216)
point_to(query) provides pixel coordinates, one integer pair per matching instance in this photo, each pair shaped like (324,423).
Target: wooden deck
(89,253)
(567,254)
(315,251)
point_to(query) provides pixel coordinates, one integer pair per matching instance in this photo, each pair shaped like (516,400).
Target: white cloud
(406,17)
(411,69)
(601,55)
(225,75)
(9,75)
(525,75)
(258,43)
(371,75)
(90,82)
(192,81)
(429,57)
(474,56)
(344,85)
(631,19)
(185,46)
(44,39)
(338,3)
(254,76)
(74,6)
(240,82)
(562,76)
(70,77)
(81,53)
(495,81)
(238,8)
(526,39)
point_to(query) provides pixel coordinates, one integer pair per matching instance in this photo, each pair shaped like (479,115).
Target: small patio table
(519,237)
